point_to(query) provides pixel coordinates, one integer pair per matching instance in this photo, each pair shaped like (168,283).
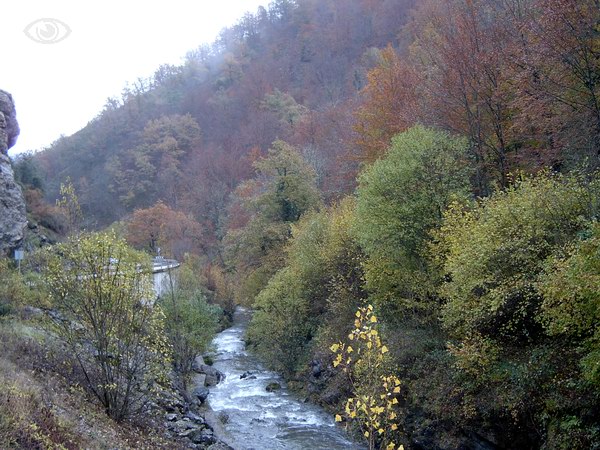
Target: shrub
(103,292)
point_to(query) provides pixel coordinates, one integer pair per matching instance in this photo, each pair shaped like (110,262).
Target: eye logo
(47,31)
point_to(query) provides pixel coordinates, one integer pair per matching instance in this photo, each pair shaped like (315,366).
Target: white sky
(58,88)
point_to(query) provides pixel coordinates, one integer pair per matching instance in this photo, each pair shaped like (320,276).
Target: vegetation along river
(263,420)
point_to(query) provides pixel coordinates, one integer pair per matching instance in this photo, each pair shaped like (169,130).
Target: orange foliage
(390,105)
(159,226)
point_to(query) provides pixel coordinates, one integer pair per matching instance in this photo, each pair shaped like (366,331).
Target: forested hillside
(405,192)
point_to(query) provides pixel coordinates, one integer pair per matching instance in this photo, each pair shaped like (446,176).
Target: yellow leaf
(369,345)
(390,446)
(384,349)
(394,427)
(357,313)
(351,336)
(395,401)
(350,349)
(396,390)
(366,434)
(373,319)
(338,418)
(380,431)
(353,414)
(334,348)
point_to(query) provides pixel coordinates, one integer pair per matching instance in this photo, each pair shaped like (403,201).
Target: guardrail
(160,264)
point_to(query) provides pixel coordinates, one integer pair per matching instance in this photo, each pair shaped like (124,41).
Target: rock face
(12,206)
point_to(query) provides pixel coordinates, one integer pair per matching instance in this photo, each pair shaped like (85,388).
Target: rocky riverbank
(190,417)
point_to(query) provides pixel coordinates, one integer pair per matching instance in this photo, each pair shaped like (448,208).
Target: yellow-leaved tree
(366,361)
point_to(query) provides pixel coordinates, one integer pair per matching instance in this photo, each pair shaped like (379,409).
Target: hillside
(291,72)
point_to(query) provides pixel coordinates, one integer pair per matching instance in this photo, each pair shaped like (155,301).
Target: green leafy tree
(401,198)
(496,250)
(311,301)
(283,189)
(103,292)
(280,330)
(190,322)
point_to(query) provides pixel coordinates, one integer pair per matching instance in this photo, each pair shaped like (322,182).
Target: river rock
(171,417)
(273,386)
(213,376)
(13,218)
(198,363)
(201,393)
(219,446)
(223,417)
(204,436)
(194,418)
(184,425)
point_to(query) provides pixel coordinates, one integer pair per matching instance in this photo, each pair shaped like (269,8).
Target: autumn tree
(558,84)
(153,169)
(390,104)
(162,227)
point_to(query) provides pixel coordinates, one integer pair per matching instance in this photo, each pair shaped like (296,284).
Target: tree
(152,170)
(162,227)
(390,104)
(283,189)
(365,359)
(103,292)
(571,304)
(559,84)
(400,199)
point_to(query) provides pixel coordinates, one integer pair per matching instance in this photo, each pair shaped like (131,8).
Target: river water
(265,420)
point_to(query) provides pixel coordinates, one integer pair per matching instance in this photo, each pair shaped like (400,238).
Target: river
(263,420)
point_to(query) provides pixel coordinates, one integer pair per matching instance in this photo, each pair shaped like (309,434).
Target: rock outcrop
(13,218)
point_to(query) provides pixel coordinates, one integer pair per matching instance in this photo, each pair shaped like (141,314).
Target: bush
(103,292)
(522,307)
(190,322)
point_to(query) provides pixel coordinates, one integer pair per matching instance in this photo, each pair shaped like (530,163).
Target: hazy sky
(59,87)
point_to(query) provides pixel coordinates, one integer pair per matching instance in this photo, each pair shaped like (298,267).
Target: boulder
(201,393)
(204,436)
(213,376)
(273,386)
(197,364)
(194,418)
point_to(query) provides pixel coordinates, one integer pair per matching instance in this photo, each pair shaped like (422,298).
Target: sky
(61,60)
